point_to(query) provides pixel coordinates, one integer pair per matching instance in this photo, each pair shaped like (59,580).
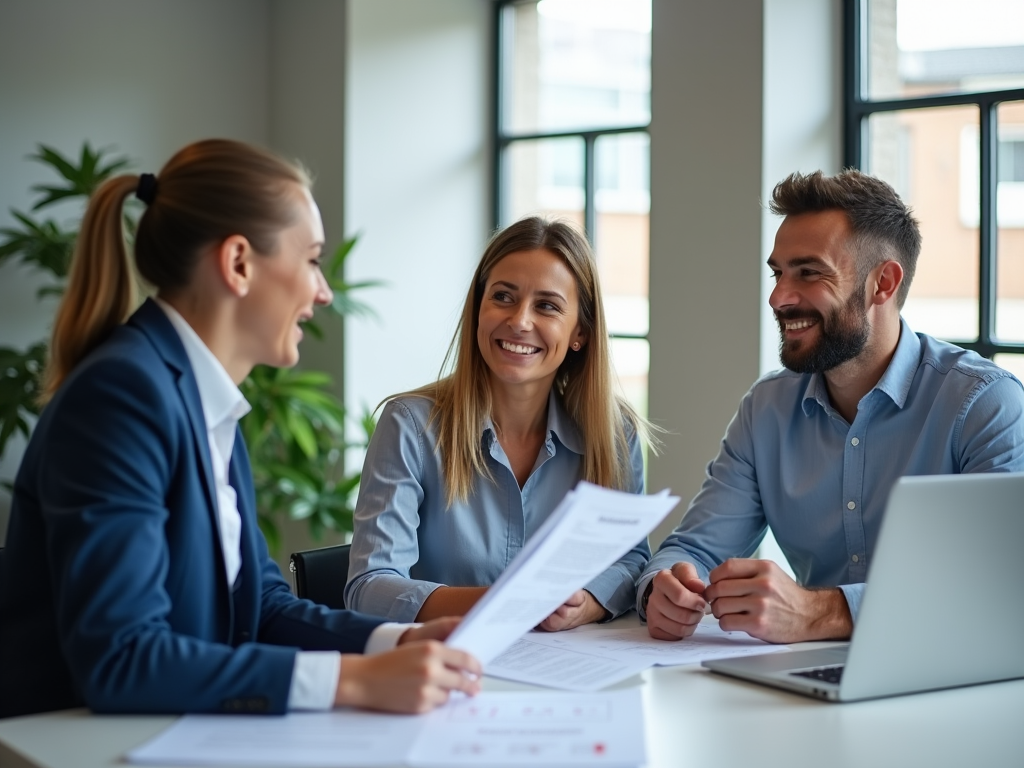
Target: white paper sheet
(323,739)
(535,729)
(532,728)
(589,530)
(591,658)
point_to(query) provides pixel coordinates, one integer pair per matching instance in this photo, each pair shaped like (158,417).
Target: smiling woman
(460,473)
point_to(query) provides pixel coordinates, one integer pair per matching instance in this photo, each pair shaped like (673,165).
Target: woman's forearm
(449,601)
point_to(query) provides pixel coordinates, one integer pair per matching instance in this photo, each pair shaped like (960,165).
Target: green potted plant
(296,430)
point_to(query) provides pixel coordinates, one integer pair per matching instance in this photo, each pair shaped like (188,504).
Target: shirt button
(851,505)
(855,559)
(855,441)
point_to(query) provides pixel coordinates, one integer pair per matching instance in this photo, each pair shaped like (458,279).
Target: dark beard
(843,336)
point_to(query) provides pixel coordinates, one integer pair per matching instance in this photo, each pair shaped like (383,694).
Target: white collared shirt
(315,676)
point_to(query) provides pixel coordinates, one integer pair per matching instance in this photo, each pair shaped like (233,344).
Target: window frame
(503,140)
(857,107)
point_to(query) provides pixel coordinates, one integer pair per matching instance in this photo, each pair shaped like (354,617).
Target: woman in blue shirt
(461,472)
(135,577)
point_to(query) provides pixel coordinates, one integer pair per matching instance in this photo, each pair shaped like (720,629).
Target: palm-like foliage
(44,245)
(296,430)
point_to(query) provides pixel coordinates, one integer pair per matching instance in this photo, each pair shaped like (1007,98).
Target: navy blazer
(114,592)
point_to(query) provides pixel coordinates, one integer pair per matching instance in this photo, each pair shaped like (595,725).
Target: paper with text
(591,658)
(302,739)
(535,729)
(588,531)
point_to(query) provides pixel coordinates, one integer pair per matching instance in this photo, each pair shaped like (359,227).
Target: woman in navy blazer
(135,576)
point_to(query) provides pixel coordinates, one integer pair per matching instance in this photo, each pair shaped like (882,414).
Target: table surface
(694,717)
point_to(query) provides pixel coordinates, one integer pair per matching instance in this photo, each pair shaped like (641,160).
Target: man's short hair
(883,227)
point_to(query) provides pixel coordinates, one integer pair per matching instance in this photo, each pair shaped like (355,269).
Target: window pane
(931,157)
(572,64)
(1013,363)
(632,361)
(544,177)
(920,47)
(1010,213)
(622,207)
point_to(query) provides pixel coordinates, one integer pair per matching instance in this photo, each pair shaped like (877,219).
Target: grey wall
(148,78)
(143,78)
(705,228)
(743,93)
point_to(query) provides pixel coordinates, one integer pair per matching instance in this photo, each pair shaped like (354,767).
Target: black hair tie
(146,190)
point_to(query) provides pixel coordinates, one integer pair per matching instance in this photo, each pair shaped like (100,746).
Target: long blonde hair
(584,381)
(205,193)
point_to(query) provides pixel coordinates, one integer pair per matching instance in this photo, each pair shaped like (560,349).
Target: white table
(694,718)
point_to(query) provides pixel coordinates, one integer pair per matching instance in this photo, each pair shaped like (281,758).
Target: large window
(573,108)
(935,106)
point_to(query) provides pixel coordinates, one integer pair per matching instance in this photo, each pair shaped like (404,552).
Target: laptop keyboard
(826,674)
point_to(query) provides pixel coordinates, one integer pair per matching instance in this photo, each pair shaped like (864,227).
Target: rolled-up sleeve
(385,545)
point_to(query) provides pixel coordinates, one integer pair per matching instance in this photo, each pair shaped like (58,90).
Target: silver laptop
(943,605)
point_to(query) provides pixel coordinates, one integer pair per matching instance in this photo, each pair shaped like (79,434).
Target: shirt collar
(220,398)
(560,425)
(895,382)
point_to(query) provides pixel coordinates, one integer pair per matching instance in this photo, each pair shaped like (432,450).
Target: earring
(575,346)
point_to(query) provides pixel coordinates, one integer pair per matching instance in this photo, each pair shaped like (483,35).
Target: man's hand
(676,603)
(415,677)
(757,597)
(580,608)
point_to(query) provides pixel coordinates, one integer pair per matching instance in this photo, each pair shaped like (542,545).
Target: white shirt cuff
(314,680)
(385,637)
(315,676)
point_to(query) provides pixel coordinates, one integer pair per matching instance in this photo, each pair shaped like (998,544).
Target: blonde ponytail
(206,192)
(101,285)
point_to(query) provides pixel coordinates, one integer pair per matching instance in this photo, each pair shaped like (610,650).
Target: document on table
(525,728)
(589,530)
(492,729)
(302,739)
(590,658)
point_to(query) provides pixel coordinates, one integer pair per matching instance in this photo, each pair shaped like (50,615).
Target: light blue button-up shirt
(407,542)
(790,461)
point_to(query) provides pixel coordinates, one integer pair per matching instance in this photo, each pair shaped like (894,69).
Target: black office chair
(321,574)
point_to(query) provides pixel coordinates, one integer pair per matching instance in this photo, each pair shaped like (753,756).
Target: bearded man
(815,448)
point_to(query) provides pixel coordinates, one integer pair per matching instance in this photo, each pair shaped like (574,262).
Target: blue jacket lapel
(152,321)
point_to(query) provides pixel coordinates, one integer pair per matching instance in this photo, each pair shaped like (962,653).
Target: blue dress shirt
(790,461)
(408,542)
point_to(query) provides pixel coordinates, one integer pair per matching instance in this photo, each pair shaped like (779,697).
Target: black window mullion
(859,107)
(987,225)
(853,81)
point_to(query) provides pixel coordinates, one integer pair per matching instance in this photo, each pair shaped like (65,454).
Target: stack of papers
(590,658)
(492,729)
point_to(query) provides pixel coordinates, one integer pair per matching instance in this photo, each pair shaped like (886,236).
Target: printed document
(589,530)
(301,739)
(590,658)
(534,728)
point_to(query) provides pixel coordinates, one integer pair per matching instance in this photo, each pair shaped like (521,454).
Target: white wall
(144,78)
(418,181)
